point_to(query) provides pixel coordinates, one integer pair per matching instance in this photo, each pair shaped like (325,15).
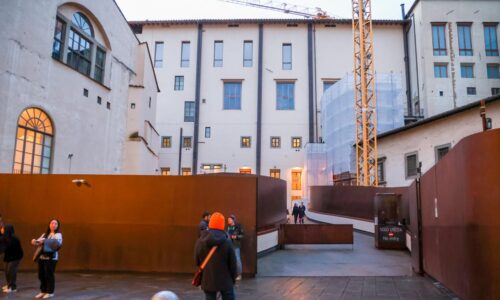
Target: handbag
(38,252)
(197,275)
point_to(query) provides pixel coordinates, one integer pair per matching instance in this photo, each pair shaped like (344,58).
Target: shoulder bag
(197,276)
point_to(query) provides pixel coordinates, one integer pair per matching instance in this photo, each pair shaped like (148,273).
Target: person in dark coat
(220,272)
(12,257)
(205,217)
(235,233)
(302,213)
(295,212)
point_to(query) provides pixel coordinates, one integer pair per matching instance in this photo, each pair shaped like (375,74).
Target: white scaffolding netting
(337,154)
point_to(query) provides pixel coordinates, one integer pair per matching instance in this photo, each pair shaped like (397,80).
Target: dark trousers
(295,218)
(226,295)
(46,270)
(11,273)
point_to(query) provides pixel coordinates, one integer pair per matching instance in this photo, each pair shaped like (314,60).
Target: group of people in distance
(46,256)
(300,212)
(224,267)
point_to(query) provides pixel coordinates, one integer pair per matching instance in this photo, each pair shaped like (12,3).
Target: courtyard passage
(363,259)
(143,286)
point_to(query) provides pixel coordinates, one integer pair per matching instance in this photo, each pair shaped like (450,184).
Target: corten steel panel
(351,201)
(271,202)
(410,198)
(127,223)
(316,234)
(461,245)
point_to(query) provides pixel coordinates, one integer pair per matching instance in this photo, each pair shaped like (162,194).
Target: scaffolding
(337,155)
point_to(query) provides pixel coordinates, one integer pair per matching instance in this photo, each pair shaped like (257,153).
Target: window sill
(88,77)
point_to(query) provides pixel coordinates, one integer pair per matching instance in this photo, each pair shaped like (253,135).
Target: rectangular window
(218,53)
(285,96)
(493,71)
(411,165)
(187,142)
(245,170)
(296,180)
(247,53)
(165,171)
(275,142)
(327,85)
(185,54)
(381,170)
(287,57)
(471,91)
(158,54)
(208,132)
(440,70)
(296,142)
(186,171)
(441,151)
(490,39)
(57,46)
(166,141)
(132,105)
(467,70)
(464,39)
(79,53)
(439,39)
(495,91)
(275,173)
(179,83)
(189,111)
(232,95)
(100,60)
(246,142)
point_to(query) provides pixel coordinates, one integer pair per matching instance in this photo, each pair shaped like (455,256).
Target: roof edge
(439,116)
(258,21)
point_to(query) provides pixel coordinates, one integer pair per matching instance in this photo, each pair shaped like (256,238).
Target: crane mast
(364,94)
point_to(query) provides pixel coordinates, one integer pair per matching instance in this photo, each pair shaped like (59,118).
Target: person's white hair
(165,295)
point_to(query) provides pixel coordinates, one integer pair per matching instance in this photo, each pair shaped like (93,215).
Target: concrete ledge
(267,241)
(334,219)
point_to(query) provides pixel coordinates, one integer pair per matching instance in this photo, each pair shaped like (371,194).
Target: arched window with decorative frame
(76,44)
(34,140)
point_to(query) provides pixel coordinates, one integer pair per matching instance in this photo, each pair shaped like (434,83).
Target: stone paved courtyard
(143,286)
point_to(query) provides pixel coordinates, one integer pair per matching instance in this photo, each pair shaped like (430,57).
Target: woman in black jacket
(12,257)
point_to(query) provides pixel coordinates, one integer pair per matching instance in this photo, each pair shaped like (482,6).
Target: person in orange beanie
(220,272)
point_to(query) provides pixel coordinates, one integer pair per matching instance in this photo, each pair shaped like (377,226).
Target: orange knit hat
(217,221)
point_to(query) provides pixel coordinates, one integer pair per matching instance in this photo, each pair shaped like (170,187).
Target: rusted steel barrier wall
(461,218)
(352,201)
(316,234)
(128,223)
(271,203)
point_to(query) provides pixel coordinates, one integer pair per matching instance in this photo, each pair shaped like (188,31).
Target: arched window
(33,142)
(75,44)
(83,23)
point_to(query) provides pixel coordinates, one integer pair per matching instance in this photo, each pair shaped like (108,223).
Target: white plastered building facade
(450,37)
(67,74)
(321,53)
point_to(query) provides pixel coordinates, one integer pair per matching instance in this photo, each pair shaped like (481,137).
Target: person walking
(295,212)
(12,257)
(302,212)
(220,272)
(235,232)
(205,217)
(51,241)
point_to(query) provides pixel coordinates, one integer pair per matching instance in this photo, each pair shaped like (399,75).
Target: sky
(217,9)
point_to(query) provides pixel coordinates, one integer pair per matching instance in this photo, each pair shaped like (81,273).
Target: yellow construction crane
(365,102)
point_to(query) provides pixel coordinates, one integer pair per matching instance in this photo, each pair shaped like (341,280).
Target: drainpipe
(407,63)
